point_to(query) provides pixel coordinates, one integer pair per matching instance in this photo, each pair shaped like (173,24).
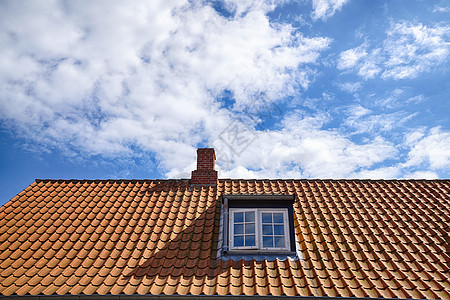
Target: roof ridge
(333,180)
(37,180)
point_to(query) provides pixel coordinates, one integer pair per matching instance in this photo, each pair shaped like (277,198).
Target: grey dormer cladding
(255,201)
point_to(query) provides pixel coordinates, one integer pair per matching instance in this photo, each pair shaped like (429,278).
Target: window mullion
(231,230)
(258,228)
(258,243)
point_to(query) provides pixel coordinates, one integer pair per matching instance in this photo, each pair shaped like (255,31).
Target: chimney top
(205,173)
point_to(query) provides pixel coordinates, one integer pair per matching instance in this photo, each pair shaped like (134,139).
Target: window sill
(258,255)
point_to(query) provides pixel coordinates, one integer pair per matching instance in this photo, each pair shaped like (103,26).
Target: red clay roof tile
(357,238)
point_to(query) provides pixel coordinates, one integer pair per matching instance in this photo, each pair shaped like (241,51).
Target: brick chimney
(205,173)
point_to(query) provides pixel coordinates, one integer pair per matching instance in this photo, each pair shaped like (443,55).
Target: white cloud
(431,149)
(422,175)
(362,120)
(370,67)
(380,173)
(416,99)
(414,48)
(241,7)
(442,9)
(408,50)
(323,9)
(349,58)
(104,80)
(392,99)
(357,111)
(350,87)
(99,78)
(303,149)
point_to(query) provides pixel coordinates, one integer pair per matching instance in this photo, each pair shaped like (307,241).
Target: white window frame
(258,229)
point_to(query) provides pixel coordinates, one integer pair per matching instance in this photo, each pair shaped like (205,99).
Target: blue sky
(281,89)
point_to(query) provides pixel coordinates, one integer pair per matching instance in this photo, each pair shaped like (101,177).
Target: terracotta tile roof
(358,238)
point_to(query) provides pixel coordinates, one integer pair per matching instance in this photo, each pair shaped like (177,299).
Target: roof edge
(181,297)
(333,180)
(37,180)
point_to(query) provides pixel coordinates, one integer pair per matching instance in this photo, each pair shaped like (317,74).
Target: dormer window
(260,229)
(257,227)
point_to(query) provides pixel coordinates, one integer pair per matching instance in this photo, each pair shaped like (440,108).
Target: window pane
(250,216)
(249,228)
(279,241)
(278,218)
(267,230)
(267,241)
(238,217)
(267,218)
(239,241)
(271,231)
(250,240)
(278,229)
(238,228)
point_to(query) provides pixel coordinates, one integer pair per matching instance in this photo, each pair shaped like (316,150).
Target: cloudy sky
(281,89)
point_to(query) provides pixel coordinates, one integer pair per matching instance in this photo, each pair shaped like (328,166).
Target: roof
(358,238)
